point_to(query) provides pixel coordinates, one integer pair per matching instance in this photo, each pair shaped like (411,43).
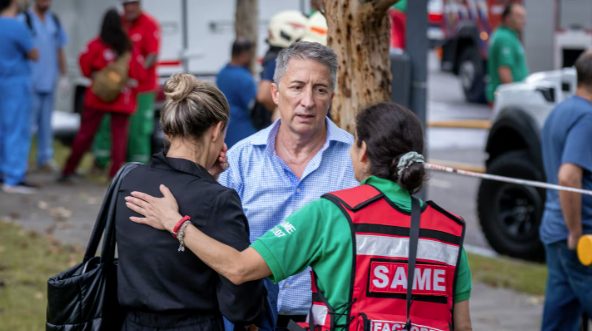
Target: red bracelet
(179,224)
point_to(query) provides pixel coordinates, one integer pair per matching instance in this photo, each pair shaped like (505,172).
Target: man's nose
(307,99)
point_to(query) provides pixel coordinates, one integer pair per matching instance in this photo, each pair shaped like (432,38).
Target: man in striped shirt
(297,159)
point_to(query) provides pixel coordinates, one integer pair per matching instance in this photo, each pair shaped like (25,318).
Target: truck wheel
(510,214)
(471,74)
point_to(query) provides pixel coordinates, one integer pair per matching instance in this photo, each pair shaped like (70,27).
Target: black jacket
(153,276)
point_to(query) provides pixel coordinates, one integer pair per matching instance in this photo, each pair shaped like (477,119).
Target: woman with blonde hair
(160,285)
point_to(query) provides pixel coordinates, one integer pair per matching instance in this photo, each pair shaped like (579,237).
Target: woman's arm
(162,213)
(238,267)
(462,317)
(85,60)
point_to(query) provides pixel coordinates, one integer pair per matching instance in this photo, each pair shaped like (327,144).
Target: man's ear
(275,93)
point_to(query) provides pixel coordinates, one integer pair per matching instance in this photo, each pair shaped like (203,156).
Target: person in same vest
(381,259)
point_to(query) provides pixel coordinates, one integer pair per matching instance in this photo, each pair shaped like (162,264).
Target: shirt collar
(34,16)
(507,28)
(393,191)
(267,135)
(160,160)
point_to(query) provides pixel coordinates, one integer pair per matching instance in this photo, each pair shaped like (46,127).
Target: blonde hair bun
(179,87)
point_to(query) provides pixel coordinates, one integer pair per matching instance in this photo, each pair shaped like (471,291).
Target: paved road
(458,194)
(492,309)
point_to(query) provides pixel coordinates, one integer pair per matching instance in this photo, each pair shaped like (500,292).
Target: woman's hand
(159,213)
(221,163)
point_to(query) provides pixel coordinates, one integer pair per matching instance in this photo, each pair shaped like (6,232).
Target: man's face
(132,10)
(303,96)
(43,5)
(517,18)
(246,57)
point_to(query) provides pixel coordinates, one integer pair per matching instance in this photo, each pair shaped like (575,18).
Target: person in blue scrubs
(238,85)
(15,98)
(49,38)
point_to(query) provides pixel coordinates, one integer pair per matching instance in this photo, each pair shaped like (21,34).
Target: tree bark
(358,32)
(246,23)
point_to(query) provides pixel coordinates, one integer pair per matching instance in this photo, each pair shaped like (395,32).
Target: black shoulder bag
(85,296)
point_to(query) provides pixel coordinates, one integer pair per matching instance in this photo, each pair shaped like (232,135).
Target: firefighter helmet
(316,29)
(286,28)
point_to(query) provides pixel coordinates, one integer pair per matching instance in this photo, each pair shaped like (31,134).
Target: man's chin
(305,128)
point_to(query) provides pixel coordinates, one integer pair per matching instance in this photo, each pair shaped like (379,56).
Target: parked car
(510,214)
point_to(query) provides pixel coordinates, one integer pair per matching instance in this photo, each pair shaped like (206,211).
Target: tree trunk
(246,23)
(358,32)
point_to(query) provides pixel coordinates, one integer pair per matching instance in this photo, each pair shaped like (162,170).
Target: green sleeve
(505,50)
(463,284)
(400,6)
(294,244)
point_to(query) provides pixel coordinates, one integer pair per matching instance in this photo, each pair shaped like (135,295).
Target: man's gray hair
(304,50)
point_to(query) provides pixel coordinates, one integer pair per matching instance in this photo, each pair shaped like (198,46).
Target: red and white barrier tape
(441,168)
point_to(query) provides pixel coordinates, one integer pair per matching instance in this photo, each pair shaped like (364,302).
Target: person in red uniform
(144,32)
(106,48)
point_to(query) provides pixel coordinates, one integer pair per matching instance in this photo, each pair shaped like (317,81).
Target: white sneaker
(18,189)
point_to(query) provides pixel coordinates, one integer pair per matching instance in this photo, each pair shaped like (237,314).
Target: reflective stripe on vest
(379,279)
(382,246)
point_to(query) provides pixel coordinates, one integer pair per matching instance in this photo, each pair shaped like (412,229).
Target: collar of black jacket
(160,160)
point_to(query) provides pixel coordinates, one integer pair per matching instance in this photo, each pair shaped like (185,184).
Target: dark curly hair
(390,131)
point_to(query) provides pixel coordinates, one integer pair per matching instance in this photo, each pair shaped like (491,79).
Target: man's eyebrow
(296,81)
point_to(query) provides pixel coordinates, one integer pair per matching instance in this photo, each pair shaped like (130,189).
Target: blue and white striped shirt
(270,191)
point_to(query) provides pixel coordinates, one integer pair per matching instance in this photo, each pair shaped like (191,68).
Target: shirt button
(298,190)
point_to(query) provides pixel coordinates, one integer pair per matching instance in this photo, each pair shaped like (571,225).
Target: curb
(461,124)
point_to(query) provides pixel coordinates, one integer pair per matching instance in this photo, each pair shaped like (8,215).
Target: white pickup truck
(510,214)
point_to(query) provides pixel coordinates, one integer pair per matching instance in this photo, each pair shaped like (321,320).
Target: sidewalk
(67,212)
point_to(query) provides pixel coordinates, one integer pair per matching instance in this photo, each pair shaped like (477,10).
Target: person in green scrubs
(506,57)
(319,235)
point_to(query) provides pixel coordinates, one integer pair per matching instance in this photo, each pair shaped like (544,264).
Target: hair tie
(407,160)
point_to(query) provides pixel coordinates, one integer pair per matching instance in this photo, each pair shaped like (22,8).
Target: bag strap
(413,241)
(104,224)
(124,58)
(108,252)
